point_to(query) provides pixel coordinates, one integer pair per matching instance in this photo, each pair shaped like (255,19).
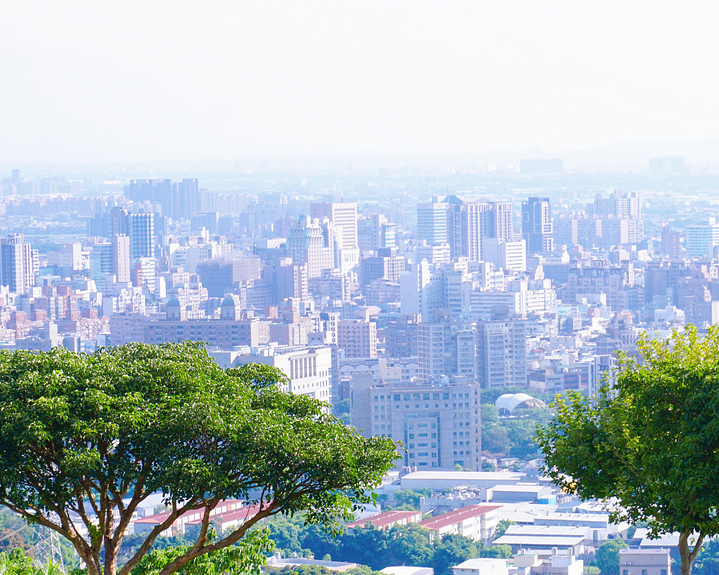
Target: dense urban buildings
(449,291)
(438,312)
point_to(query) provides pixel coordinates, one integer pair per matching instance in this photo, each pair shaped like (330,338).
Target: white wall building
(308,368)
(481,567)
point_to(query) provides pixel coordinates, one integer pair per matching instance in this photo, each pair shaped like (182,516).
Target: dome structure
(174,310)
(230,309)
(508,402)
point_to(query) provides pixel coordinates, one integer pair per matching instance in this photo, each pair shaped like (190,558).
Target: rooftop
(452,517)
(386,518)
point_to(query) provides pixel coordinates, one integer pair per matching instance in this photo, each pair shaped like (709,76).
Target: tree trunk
(688,550)
(110,559)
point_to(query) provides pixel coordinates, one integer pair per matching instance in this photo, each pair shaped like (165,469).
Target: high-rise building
(291,280)
(141,229)
(431,351)
(432,222)
(358,338)
(466,226)
(101,259)
(671,242)
(439,425)
(374,233)
(506,254)
(500,223)
(621,218)
(415,290)
(701,238)
(18,263)
(468,223)
(343,215)
(188,199)
(537,226)
(121,258)
(118,221)
(179,200)
(386,265)
(502,353)
(312,243)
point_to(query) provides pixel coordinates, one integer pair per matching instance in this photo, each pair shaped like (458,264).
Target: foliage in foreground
(96,434)
(15,562)
(651,441)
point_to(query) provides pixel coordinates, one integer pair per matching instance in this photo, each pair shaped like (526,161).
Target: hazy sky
(151,80)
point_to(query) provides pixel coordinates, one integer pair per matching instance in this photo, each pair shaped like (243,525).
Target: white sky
(150,80)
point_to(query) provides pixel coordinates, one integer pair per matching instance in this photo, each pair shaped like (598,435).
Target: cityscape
(401,307)
(377,288)
(446,322)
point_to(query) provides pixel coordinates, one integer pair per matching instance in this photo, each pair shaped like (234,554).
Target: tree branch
(231,539)
(147,544)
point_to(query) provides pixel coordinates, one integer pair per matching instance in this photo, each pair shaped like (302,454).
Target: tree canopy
(86,438)
(650,442)
(607,556)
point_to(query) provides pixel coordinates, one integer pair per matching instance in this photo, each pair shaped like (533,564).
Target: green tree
(490,414)
(409,545)
(497,552)
(502,527)
(368,546)
(520,433)
(361,570)
(286,534)
(341,409)
(651,441)
(15,562)
(495,439)
(409,499)
(319,542)
(96,434)
(453,550)
(607,556)
(242,559)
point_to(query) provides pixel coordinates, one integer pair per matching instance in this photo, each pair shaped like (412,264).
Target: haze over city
(139,81)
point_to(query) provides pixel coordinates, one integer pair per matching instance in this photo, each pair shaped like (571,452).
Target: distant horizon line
(642,150)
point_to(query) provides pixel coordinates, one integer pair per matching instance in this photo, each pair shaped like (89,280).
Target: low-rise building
(634,561)
(481,567)
(228,510)
(388,519)
(540,564)
(478,522)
